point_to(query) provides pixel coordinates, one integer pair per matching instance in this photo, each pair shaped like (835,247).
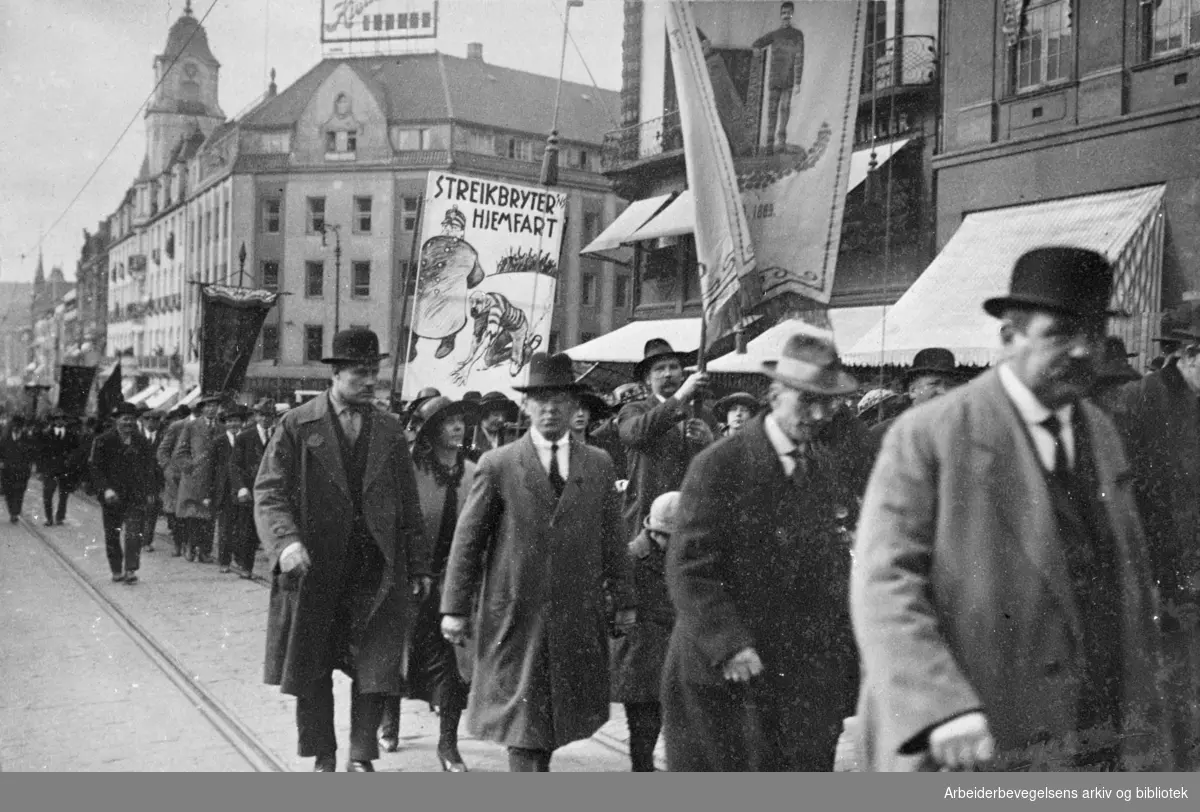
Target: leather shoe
(451,760)
(360,767)
(389,744)
(325,764)
(49,523)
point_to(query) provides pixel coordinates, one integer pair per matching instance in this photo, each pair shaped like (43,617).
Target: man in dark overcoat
(58,462)
(18,452)
(761,667)
(1159,419)
(232,418)
(194,458)
(123,473)
(660,434)
(541,533)
(1001,589)
(336,503)
(248,452)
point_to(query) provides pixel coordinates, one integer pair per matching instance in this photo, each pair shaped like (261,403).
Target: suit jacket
(193,458)
(657,454)
(961,595)
(540,633)
(58,456)
(155,445)
(247,456)
(302,494)
(17,455)
(126,469)
(224,494)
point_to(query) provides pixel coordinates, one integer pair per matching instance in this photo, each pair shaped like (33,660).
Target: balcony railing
(899,62)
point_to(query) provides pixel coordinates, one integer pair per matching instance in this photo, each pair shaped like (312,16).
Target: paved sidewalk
(78,694)
(216,624)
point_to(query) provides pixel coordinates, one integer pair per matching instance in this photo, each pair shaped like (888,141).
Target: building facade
(91,284)
(15,312)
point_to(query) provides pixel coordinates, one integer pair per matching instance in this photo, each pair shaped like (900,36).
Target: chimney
(475,50)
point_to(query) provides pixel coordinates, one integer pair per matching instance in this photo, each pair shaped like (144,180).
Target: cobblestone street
(80,695)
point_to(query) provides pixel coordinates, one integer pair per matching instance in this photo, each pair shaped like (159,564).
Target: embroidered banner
(230,320)
(74,386)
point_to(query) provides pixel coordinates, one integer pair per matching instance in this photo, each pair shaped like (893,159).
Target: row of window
(271,215)
(1044,50)
(314,278)
(589,286)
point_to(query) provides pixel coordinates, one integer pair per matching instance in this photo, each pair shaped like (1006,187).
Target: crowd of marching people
(967,569)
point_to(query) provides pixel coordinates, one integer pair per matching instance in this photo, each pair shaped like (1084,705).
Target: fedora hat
(810,364)
(356,345)
(551,373)
(232,411)
(125,408)
(1075,281)
(932,361)
(436,410)
(722,406)
(655,349)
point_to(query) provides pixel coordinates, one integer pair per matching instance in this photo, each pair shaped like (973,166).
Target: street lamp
(337,270)
(550,157)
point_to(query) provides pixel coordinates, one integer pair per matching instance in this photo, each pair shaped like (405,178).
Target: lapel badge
(315,441)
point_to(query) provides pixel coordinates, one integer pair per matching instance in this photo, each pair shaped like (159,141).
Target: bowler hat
(124,408)
(551,373)
(436,410)
(1075,281)
(932,361)
(655,349)
(356,345)
(722,406)
(472,396)
(497,401)
(810,363)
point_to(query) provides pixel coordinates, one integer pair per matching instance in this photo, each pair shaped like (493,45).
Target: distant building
(15,302)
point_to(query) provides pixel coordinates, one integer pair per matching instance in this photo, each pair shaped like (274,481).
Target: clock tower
(186,75)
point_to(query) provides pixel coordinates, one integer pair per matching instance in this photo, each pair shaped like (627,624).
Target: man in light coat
(1001,591)
(336,504)
(541,532)
(194,457)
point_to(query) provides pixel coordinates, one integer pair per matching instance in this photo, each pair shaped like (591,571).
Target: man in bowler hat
(537,541)
(126,481)
(1001,592)
(336,505)
(761,668)
(59,462)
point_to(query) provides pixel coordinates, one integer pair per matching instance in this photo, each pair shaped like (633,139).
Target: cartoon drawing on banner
(449,268)
(486,284)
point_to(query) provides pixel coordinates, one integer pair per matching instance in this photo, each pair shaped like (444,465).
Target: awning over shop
(860,160)
(190,397)
(943,308)
(162,398)
(677,217)
(626,344)
(128,388)
(145,394)
(627,222)
(851,323)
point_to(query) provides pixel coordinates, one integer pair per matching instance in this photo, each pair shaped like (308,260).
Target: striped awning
(944,307)
(162,398)
(145,394)
(190,397)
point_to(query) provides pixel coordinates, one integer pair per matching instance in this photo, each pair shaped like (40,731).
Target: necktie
(800,458)
(556,478)
(1054,426)
(350,424)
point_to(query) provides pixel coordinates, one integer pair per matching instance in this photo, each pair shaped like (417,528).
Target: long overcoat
(302,494)
(761,560)
(638,655)
(961,594)
(165,456)
(194,457)
(540,636)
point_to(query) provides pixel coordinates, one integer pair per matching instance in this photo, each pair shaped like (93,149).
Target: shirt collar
(336,403)
(783,445)
(541,443)
(1031,410)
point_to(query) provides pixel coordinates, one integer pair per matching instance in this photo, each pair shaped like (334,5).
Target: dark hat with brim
(655,350)
(932,361)
(551,373)
(356,345)
(597,407)
(810,364)
(437,410)
(722,406)
(1117,371)
(1061,279)
(124,408)
(498,401)
(208,397)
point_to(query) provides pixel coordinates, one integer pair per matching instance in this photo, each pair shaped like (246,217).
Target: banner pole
(414,260)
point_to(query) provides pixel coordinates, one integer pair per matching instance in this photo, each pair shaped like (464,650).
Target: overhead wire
(586,67)
(124,132)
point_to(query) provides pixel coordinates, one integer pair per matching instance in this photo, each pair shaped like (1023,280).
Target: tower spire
(187,8)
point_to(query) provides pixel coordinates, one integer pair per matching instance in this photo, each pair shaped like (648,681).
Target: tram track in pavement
(251,749)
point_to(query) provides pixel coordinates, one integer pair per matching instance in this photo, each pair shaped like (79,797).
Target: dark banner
(230,321)
(110,393)
(74,384)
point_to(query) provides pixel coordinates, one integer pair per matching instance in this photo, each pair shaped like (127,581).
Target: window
(411,206)
(331,142)
(270,275)
(225,221)
(361,276)
(314,340)
(481,142)
(270,342)
(588,296)
(314,279)
(621,291)
(271,208)
(316,215)
(520,149)
(413,139)
(351,140)
(362,215)
(591,223)
(1044,50)
(1171,25)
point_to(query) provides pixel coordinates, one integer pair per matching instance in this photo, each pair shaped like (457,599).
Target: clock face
(189,70)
